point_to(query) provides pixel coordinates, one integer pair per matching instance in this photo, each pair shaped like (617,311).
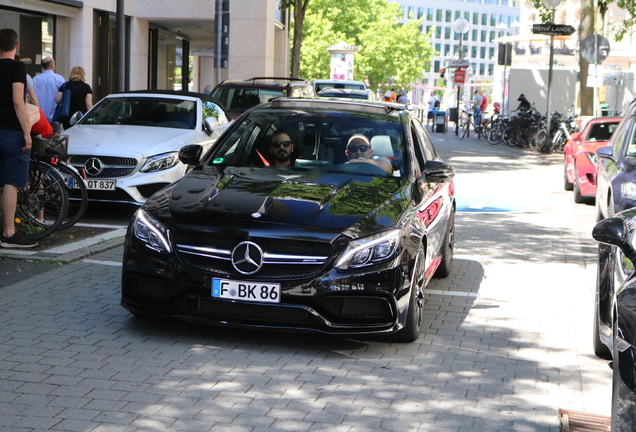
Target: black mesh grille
(356,307)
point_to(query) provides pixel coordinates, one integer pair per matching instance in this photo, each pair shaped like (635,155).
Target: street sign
(553,29)
(460,76)
(458,63)
(595,48)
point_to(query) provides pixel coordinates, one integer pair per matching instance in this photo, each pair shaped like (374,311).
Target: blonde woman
(81,93)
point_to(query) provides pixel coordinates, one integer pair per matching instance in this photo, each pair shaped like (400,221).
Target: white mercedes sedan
(127,145)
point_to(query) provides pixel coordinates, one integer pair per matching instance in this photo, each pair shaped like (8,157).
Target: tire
(446,265)
(78,195)
(465,132)
(43,203)
(508,136)
(411,330)
(495,135)
(538,140)
(600,349)
(566,184)
(522,137)
(578,198)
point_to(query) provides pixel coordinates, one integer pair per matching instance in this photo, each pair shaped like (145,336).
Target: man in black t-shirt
(15,137)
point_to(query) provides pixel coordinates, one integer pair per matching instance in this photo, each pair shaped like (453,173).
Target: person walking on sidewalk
(46,86)
(81,94)
(15,137)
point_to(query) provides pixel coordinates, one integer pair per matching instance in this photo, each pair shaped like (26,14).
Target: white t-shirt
(431,103)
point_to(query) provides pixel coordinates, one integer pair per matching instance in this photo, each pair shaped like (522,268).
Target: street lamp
(460,26)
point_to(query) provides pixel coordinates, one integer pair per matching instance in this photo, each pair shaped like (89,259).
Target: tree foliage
(388,51)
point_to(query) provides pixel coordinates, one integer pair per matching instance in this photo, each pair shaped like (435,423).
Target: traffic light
(441,72)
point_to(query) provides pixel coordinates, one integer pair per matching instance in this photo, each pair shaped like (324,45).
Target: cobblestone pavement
(506,339)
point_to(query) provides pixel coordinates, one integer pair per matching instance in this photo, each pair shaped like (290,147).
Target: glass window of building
(439,15)
(467,16)
(420,12)
(482,68)
(438,48)
(493,20)
(473,52)
(491,69)
(473,66)
(436,66)
(458,14)
(484,19)
(449,16)
(438,32)
(447,32)
(484,33)
(429,14)
(428,28)
(455,50)
(475,18)
(446,49)
(475,35)
(482,52)
(491,52)
(492,36)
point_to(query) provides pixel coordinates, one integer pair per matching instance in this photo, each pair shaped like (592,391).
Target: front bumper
(328,302)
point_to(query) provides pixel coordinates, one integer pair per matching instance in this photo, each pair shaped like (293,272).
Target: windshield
(316,140)
(144,111)
(324,85)
(240,99)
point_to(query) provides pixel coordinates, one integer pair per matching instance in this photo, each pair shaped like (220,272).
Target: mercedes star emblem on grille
(247,257)
(94,166)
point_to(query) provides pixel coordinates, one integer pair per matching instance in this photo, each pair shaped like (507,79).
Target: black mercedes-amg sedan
(306,215)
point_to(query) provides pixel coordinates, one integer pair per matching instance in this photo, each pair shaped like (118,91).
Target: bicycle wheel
(538,140)
(495,136)
(522,136)
(508,135)
(465,132)
(43,203)
(78,195)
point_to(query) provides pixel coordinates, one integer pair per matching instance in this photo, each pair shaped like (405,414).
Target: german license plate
(99,184)
(248,291)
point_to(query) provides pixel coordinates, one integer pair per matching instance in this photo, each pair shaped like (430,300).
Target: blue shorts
(14,163)
(430,115)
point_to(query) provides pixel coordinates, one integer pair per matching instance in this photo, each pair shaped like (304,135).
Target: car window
(622,140)
(143,111)
(210,109)
(319,140)
(601,131)
(425,141)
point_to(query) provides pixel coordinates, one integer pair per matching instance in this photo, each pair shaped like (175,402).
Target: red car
(580,157)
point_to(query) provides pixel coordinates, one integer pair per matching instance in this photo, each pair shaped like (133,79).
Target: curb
(71,252)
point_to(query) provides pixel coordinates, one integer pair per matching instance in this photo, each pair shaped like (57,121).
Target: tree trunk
(586,28)
(300,8)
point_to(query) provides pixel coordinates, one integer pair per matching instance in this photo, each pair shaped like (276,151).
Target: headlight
(151,232)
(160,162)
(628,190)
(592,157)
(369,250)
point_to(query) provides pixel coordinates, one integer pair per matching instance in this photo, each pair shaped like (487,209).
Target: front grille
(258,313)
(293,259)
(357,307)
(113,166)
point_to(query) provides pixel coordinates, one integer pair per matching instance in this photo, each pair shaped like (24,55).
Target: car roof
(265,81)
(348,104)
(201,96)
(337,81)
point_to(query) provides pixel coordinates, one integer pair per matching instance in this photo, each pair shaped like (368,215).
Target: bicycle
(466,128)
(55,153)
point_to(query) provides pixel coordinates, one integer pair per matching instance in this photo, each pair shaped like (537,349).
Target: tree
(389,51)
(299,10)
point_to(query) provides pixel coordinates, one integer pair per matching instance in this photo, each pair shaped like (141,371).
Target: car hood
(124,140)
(590,146)
(217,198)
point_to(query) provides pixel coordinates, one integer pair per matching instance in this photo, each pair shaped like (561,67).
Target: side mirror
(576,136)
(605,152)
(75,118)
(611,231)
(190,154)
(438,172)
(211,123)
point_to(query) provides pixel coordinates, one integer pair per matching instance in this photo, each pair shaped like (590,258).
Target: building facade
(167,45)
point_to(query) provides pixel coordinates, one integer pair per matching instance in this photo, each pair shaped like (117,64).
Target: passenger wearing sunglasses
(359,150)
(281,148)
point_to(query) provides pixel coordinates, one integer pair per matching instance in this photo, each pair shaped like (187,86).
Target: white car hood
(126,141)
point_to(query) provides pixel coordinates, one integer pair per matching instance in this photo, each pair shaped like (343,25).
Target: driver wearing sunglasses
(359,150)
(281,148)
